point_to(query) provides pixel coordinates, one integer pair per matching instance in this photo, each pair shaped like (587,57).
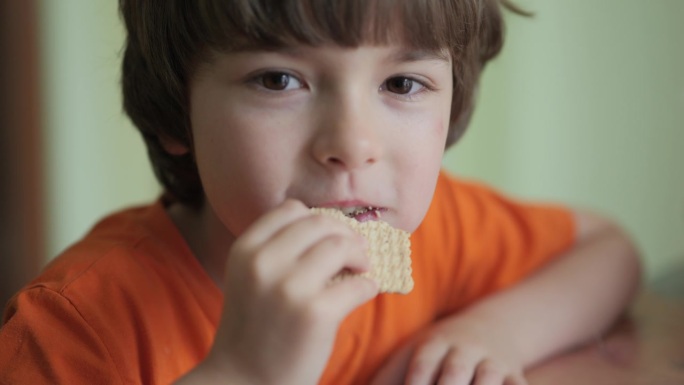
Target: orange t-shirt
(129,304)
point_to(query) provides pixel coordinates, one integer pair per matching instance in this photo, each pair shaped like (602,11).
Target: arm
(567,303)
(576,297)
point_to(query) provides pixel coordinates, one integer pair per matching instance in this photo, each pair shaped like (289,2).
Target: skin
(337,133)
(278,132)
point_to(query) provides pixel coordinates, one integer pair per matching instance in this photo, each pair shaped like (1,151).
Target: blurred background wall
(585,106)
(95,160)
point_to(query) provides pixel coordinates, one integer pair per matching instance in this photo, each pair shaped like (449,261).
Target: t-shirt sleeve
(481,241)
(45,340)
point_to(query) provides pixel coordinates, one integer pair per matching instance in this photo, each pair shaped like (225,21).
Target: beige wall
(585,106)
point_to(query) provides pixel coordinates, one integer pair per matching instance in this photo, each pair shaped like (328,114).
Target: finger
(325,259)
(425,364)
(268,224)
(295,240)
(272,259)
(516,379)
(242,266)
(487,373)
(340,299)
(394,370)
(457,368)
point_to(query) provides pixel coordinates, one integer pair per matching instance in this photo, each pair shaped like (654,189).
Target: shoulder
(43,335)
(133,256)
(114,241)
(127,288)
(473,222)
(477,206)
(115,259)
(475,240)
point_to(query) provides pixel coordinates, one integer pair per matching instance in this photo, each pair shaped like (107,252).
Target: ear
(173,146)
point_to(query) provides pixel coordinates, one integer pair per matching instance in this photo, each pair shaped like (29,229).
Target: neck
(206,236)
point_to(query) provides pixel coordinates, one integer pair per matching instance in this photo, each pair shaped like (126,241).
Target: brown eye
(399,85)
(276,81)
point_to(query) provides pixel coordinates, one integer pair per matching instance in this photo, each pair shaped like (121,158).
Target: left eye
(403,85)
(279,81)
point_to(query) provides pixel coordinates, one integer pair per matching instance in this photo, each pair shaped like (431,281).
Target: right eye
(278,81)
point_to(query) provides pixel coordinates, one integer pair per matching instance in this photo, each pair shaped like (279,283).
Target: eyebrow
(399,56)
(414,55)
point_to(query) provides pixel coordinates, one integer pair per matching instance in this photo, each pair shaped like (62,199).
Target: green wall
(95,160)
(584,106)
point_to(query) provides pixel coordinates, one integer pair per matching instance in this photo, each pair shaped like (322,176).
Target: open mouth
(354,211)
(362,214)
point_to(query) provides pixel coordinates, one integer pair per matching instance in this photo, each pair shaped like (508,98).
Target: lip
(346,203)
(351,203)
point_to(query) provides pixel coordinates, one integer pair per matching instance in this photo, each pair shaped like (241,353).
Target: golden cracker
(389,250)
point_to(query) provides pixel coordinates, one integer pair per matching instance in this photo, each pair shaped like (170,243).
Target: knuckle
(454,368)
(292,206)
(288,291)
(337,241)
(239,254)
(257,267)
(316,312)
(419,368)
(422,350)
(515,380)
(489,369)
(423,356)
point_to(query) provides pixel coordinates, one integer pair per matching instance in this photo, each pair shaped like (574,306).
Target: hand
(456,351)
(281,313)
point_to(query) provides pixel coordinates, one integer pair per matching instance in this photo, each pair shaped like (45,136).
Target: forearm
(569,302)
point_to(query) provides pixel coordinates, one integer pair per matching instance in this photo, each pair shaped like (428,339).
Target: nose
(348,136)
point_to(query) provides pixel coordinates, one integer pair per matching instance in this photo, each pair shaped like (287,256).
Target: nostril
(335,160)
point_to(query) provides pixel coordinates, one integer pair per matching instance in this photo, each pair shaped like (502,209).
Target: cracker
(389,250)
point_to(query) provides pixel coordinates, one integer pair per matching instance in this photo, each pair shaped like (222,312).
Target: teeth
(354,211)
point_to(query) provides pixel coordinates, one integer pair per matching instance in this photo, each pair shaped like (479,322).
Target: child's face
(328,126)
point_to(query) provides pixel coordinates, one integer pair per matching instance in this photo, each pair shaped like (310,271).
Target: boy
(253,112)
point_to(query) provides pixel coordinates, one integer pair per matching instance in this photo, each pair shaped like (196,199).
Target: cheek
(422,163)
(241,161)
(236,140)
(430,157)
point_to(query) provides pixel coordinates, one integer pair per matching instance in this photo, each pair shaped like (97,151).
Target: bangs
(264,24)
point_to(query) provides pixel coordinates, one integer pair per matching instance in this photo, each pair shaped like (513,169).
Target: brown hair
(168,38)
